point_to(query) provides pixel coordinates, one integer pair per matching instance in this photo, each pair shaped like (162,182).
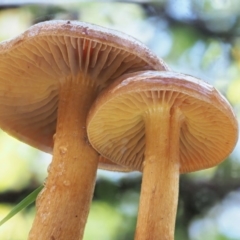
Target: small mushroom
(49,77)
(164,124)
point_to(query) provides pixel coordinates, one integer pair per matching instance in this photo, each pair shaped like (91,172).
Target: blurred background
(201,38)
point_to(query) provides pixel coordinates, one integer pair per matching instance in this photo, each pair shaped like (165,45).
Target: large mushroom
(49,77)
(164,124)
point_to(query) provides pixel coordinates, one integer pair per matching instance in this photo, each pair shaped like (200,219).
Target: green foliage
(23,204)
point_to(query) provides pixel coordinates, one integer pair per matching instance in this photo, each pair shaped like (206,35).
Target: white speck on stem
(63,150)
(66,183)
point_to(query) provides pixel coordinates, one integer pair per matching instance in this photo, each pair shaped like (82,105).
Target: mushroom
(164,124)
(49,77)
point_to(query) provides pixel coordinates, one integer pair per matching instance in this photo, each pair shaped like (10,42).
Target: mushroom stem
(63,205)
(160,183)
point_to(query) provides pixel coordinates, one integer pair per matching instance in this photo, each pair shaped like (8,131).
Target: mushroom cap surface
(34,65)
(116,127)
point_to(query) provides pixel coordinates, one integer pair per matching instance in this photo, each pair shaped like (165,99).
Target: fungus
(163,124)
(49,77)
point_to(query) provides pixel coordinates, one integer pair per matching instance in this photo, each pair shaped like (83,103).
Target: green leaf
(23,204)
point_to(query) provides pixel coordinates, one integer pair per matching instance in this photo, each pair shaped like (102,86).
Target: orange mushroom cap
(34,65)
(116,127)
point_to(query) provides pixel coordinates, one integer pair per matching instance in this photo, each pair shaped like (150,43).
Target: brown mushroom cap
(116,125)
(35,64)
